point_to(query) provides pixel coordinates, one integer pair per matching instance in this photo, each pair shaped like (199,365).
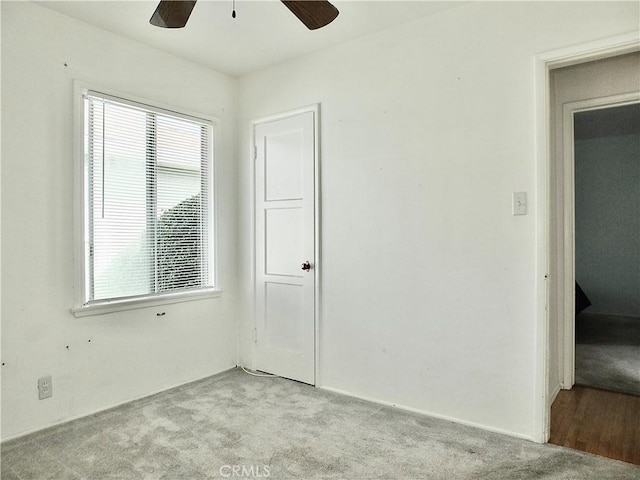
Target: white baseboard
(620,315)
(554,394)
(431,414)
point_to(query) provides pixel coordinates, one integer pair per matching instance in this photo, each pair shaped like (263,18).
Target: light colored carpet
(608,352)
(281,429)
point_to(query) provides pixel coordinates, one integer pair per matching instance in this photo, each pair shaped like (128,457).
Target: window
(147,202)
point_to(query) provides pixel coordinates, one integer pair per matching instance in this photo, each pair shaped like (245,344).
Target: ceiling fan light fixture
(313,13)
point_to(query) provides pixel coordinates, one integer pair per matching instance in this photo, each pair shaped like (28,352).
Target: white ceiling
(264,32)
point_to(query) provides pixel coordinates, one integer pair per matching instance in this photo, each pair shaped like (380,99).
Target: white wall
(607,180)
(426,130)
(130,354)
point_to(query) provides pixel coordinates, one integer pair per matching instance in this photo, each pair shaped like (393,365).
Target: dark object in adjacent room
(582,301)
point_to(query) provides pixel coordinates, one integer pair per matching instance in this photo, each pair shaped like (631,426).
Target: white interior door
(285,270)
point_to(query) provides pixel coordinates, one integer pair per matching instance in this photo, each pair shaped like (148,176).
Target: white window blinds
(148,203)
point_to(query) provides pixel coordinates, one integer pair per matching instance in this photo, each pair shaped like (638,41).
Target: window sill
(101,308)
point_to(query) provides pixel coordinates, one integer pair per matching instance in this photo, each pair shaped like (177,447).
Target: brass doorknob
(306,266)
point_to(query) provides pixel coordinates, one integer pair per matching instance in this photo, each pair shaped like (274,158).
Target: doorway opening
(607,247)
(594,256)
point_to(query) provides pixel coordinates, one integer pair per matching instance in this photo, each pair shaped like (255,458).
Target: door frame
(543,64)
(315,110)
(567,318)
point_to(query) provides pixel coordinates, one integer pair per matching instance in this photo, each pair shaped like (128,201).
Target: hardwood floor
(597,421)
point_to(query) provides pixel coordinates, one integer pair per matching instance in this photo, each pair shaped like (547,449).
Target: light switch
(519,203)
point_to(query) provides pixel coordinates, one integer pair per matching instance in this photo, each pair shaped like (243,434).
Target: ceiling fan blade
(313,13)
(172,13)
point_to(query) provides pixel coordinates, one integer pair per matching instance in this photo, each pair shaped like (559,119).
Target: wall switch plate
(519,203)
(45,387)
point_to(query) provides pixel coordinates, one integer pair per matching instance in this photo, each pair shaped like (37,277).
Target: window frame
(98,307)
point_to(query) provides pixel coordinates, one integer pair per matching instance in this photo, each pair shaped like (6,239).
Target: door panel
(284,305)
(285,239)
(283,169)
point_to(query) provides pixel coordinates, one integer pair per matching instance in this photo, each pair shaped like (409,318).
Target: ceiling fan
(313,13)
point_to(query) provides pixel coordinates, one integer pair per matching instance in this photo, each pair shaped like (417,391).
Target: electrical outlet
(45,387)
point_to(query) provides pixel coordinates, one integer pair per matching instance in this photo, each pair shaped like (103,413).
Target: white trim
(543,63)
(80,309)
(568,268)
(116,405)
(428,414)
(554,394)
(590,51)
(120,96)
(111,306)
(213,199)
(315,109)
(252,245)
(318,271)
(143,105)
(78,193)
(600,103)
(567,350)
(540,411)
